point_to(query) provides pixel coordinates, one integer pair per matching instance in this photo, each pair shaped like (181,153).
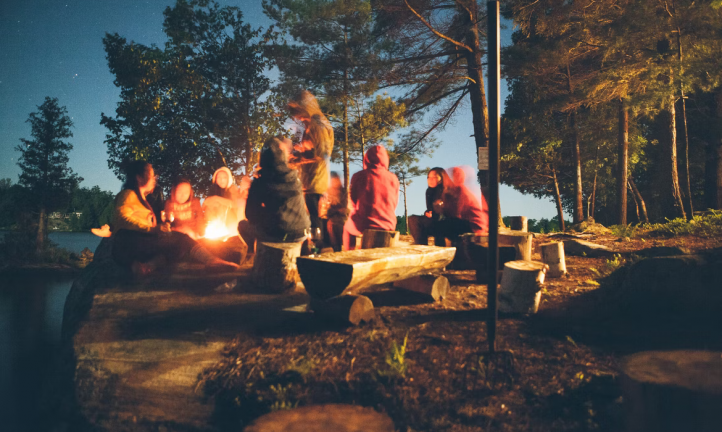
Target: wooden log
(522,241)
(667,391)
(379,239)
(345,309)
(274,267)
(472,250)
(431,286)
(330,275)
(553,256)
(519,223)
(521,284)
(324,418)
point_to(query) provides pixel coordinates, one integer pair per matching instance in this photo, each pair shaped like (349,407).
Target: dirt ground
(428,366)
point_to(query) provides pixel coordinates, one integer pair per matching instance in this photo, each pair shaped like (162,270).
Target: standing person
(138,241)
(439,196)
(473,212)
(374,196)
(275,209)
(312,154)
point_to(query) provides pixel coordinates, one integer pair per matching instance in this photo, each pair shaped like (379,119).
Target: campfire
(217,230)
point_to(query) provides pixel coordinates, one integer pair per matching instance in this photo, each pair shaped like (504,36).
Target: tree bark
(622,162)
(578,215)
(406,209)
(689,207)
(591,202)
(636,203)
(674,207)
(346,173)
(558,201)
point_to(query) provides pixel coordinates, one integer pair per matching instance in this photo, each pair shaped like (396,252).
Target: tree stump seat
(521,285)
(324,418)
(274,266)
(667,391)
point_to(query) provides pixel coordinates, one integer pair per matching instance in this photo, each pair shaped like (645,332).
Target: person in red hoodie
(374,194)
(469,209)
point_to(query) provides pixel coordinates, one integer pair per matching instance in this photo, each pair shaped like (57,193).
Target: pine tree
(44,162)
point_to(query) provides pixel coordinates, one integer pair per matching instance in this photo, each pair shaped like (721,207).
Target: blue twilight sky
(54,48)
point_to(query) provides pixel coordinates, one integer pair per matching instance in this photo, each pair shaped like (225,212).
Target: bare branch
(442,36)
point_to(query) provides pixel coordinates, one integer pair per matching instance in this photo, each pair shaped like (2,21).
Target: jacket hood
(376,157)
(227,171)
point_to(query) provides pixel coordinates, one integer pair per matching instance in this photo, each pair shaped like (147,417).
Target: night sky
(54,48)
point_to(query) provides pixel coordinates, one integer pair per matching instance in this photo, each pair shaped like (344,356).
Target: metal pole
(494,77)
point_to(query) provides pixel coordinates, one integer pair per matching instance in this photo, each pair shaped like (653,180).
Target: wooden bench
(332,279)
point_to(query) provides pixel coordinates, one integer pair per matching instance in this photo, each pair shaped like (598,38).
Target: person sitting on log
(337,212)
(275,209)
(374,195)
(439,196)
(183,211)
(226,201)
(471,210)
(138,241)
(311,155)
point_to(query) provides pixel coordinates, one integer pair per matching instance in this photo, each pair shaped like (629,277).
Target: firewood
(330,275)
(553,256)
(274,267)
(345,309)
(432,286)
(378,239)
(667,391)
(521,285)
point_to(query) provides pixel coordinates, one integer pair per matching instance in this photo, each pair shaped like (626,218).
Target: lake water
(31,314)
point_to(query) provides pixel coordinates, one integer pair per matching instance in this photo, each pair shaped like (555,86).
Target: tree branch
(442,36)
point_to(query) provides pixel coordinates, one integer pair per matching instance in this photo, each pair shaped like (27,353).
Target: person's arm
(131,212)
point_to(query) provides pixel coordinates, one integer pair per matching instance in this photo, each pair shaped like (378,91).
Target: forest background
(608,100)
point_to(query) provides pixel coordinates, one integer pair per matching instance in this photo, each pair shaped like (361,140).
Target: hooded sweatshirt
(374,193)
(467,206)
(276,207)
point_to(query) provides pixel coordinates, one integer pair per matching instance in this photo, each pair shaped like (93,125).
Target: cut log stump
(521,284)
(330,275)
(431,286)
(519,223)
(274,267)
(345,309)
(323,418)
(553,256)
(379,239)
(670,391)
(522,241)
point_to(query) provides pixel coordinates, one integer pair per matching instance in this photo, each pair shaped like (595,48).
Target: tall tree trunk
(42,225)
(346,173)
(689,207)
(674,207)
(578,215)
(477,94)
(558,200)
(406,209)
(641,200)
(622,162)
(591,202)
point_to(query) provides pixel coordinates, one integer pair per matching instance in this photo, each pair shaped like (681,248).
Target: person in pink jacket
(374,195)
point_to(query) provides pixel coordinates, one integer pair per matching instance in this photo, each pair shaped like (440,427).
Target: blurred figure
(275,207)
(337,211)
(470,209)
(374,195)
(226,201)
(312,154)
(183,211)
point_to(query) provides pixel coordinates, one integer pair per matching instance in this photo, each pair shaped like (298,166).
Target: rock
(585,248)
(683,283)
(660,251)
(590,227)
